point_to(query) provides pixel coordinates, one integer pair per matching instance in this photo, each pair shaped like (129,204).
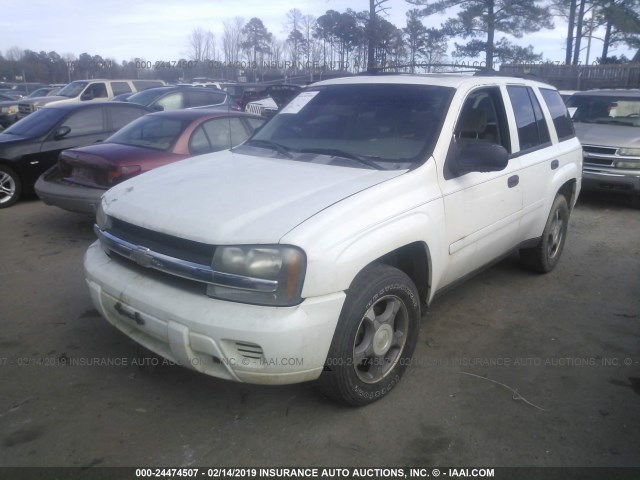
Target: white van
(87,91)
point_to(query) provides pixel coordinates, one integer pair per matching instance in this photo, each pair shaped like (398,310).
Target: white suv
(86,91)
(309,252)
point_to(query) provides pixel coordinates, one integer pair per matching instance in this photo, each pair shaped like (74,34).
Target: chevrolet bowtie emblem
(143,257)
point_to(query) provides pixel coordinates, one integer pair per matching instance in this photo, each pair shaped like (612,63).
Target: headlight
(628,165)
(629,152)
(262,275)
(103,220)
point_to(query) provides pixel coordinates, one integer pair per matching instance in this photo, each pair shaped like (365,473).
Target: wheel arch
(570,192)
(414,259)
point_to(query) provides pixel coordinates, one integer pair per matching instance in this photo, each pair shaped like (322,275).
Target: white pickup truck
(309,252)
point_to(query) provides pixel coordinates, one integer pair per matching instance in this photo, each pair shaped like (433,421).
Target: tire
(10,187)
(374,339)
(635,201)
(545,256)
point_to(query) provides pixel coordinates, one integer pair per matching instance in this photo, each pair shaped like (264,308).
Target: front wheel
(375,337)
(545,256)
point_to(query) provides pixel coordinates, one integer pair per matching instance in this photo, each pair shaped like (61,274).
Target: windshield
(146,97)
(73,89)
(158,133)
(605,109)
(385,126)
(41,92)
(36,124)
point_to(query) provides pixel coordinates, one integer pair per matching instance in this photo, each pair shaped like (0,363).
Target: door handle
(513,181)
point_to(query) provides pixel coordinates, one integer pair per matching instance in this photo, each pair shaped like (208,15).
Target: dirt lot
(568,342)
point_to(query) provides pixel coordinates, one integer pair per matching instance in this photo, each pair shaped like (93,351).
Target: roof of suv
(611,92)
(452,80)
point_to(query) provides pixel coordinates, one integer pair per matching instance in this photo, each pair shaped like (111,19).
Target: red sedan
(82,175)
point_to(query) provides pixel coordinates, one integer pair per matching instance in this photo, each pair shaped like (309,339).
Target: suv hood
(39,101)
(608,135)
(227,198)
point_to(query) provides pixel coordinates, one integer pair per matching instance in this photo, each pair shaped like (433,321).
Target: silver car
(607,122)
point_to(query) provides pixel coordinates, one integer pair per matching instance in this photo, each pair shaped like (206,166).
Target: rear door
(537,154)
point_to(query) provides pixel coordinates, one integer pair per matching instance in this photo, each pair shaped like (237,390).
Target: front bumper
(234,341)
(54,190)
(621,181)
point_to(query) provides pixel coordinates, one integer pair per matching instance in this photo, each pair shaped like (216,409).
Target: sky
(157,30)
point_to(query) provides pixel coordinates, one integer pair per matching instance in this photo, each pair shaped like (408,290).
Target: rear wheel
(10,187)
(544,257)
(375,337)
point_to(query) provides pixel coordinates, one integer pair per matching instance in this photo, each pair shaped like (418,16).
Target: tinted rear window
(559,113)
(159,133)
(532,127)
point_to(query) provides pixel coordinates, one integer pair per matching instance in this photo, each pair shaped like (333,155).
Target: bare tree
(308,26)
(232,39)
(14,54)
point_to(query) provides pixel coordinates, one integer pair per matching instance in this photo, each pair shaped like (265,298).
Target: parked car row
(9,105)
(82,175)
(80,114)
(32,145)
(87,91)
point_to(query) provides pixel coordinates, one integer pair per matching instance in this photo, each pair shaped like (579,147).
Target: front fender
(343,239)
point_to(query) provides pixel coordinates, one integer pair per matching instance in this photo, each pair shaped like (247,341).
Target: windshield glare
(158,133)
(73,89)
(37,123)
(605,109)
(393,124)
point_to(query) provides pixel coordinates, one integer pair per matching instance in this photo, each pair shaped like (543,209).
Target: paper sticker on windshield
(299,102)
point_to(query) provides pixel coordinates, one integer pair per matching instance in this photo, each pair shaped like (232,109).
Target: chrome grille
(188,250)
(599,150)
(25,108)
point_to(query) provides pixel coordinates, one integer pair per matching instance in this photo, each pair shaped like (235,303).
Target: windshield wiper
(269,144)
(334,152)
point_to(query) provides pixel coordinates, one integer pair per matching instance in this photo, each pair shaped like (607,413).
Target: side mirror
(480,156)
(61,133)
(158,108)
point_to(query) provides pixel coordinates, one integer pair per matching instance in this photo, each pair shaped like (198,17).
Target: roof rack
(460,67)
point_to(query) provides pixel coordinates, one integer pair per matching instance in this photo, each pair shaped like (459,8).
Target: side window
(221,133)
(84,122)
(532,127)
(97,90)
(483,118)
(238,131)
(173,101)
(123,115)
(120,87)
(254,123)
(200,99)
(199,143)
(559,114)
